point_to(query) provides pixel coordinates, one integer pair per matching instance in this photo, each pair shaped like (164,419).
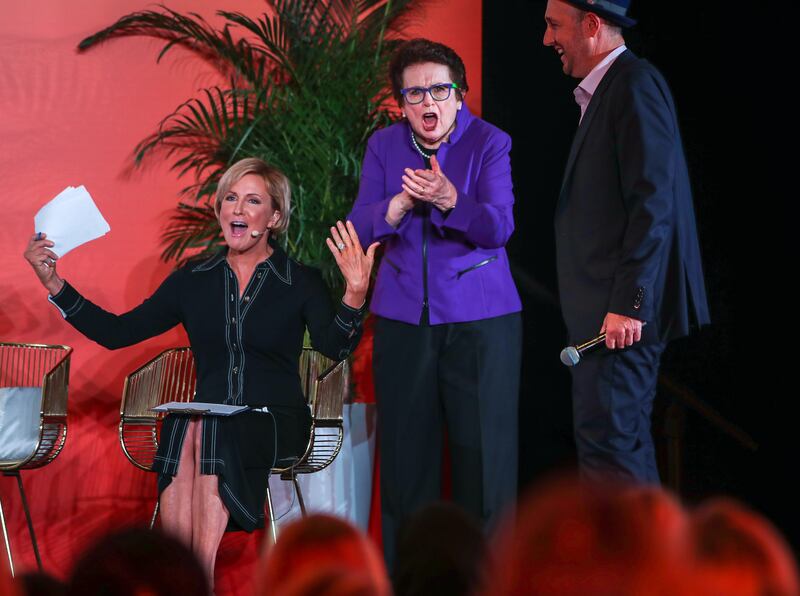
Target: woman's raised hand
(43,260)
(353,262)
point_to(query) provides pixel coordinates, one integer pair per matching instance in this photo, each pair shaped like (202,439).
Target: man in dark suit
(626,240)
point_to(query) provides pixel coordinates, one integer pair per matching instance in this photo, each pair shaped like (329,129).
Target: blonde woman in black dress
(245,311)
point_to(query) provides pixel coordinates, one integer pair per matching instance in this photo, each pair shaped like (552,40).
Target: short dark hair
(137,561)
(419,50)
(441,549)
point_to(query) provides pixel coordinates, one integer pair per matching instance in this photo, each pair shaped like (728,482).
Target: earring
(403,112)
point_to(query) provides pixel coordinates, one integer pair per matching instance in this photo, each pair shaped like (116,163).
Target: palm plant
(307,88)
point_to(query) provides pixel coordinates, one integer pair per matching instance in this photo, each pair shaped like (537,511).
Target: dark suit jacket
(626,238)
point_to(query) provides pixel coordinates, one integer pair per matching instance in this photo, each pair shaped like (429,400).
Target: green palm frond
(307,89)
(231,57)
(205,134)
(192,229)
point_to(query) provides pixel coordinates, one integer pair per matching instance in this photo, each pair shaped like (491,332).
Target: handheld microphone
(571,355)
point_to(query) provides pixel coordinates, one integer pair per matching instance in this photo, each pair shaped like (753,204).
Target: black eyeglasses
(439,92)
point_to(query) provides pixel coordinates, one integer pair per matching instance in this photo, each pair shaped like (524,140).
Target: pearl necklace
(418,148)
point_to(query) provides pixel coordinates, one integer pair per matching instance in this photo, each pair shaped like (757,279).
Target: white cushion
(20,409)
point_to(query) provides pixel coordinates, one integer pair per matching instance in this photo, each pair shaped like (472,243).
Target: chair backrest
(170,376)
(326,396)
(34,379)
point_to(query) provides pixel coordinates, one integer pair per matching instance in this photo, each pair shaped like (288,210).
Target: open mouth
(238,229)
(429,121)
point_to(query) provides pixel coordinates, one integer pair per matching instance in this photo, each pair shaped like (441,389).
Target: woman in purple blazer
(436,191)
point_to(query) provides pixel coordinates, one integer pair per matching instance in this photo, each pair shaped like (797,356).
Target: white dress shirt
(586,88)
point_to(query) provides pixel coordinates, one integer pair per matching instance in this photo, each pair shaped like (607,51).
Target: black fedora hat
(611,10)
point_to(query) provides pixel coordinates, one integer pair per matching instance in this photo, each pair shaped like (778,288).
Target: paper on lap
(70,219)
(197,407)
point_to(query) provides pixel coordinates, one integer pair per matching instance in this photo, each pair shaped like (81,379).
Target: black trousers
(462,377)
(612,403)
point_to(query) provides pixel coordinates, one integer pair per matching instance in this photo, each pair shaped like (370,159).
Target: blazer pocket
(392,264)
(483,263)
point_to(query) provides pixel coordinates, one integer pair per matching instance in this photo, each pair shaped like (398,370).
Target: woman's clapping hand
(431,186)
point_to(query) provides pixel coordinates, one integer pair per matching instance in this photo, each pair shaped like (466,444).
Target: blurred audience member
(330,581)
(737,552)
(138,562)
(38,583)
(441,550)
(573,538)
(317,547)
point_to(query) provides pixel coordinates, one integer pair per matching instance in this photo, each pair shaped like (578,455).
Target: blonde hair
(277,183)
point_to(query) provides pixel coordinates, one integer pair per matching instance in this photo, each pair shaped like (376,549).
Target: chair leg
(28,518)
(299,495)
(272,526)
(5,537)
(155,515)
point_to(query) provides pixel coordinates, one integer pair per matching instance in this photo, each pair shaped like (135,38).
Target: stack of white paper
(70,219)
(199,408)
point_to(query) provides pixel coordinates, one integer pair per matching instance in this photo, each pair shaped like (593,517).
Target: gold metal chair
(325,384)
(170,376)
(33,415)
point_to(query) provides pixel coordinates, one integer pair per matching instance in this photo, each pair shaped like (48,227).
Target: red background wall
(70,119)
